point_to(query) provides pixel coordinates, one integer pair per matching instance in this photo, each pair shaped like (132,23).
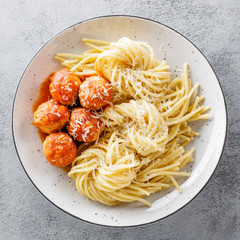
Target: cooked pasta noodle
(142,147)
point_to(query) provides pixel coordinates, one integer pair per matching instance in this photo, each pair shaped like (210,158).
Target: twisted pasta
(141,123)
(146,130)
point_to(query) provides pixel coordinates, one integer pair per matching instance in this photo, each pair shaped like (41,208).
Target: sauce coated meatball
(51,117)
(95,93)
(84,126)
(64,87)
(59,149)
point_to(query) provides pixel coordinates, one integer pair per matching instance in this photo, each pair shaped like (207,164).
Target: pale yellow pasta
(142,147)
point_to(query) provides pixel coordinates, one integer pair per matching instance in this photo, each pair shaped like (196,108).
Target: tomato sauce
(44,95)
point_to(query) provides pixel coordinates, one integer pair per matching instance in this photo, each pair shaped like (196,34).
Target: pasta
(141,150)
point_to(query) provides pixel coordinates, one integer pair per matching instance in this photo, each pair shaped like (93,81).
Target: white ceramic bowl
(55,185)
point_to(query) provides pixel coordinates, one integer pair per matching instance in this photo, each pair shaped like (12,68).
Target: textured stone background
(214,26)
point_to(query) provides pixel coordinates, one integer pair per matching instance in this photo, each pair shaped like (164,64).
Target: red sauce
(44,95)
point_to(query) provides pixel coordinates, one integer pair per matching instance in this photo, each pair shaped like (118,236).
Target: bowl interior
(167,44)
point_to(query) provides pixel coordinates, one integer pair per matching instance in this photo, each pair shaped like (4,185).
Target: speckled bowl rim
(146,19)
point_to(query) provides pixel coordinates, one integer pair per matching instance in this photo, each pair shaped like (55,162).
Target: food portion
(51,117)
(84,125)
(68,123)
(64,87)
(95,93)
(141,124)
(137,118)
(59,149)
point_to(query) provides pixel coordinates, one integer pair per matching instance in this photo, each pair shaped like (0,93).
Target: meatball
(95,93)
(50,116)
(84,126)
(64,87)
(59,149)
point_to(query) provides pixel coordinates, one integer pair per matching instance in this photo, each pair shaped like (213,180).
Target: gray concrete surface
(214,26)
